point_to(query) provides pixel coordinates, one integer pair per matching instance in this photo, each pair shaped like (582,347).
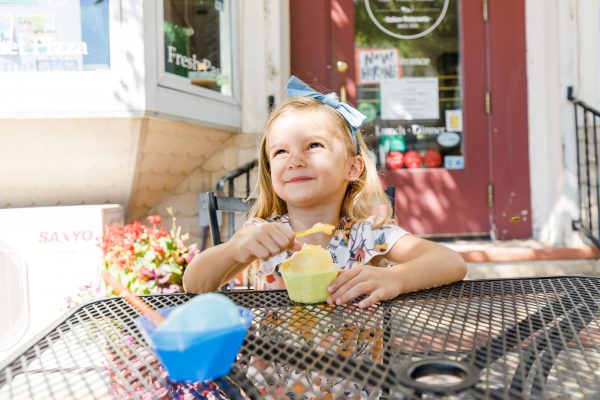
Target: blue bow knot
(295,87)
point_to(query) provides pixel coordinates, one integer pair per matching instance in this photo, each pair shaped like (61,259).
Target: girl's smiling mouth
(298,179)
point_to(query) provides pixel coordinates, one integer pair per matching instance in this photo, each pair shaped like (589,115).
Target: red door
(433,201)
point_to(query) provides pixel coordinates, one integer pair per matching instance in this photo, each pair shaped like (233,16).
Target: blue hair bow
(295,87)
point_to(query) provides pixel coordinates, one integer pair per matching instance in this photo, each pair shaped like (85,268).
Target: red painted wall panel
(509,135)
(310,32)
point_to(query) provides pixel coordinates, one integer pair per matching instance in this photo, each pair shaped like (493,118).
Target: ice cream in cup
(308,273)
(200,339)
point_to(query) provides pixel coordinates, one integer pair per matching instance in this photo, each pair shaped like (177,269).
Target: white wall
(264,57)
(587,31)
(47,117)
(562,50)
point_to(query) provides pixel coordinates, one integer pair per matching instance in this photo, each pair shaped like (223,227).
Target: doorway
(422,73)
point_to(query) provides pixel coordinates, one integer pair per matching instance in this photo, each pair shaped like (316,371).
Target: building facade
(146,104)
(139,103)
(468,113)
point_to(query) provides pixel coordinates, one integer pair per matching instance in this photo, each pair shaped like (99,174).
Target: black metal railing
(587,121)
(230,179)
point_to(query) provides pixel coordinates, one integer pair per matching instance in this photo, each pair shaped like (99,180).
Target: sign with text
(375,65)
(54,36)
(407,19)
(198,48)
(410,99)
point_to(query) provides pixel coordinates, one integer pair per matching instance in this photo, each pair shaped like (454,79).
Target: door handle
(341,67)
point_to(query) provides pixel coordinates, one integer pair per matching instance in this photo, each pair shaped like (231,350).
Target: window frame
(171,81)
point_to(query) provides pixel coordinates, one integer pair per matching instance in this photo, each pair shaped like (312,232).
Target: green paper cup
(308,287)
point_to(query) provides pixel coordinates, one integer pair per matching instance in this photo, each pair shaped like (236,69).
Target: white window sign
(375,65)
(54,36)
(410,99)
(197,46)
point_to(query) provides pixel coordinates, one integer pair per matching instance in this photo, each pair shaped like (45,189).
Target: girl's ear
(356,168)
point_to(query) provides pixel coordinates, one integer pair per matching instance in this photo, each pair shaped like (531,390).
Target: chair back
(216,206)
(390,191)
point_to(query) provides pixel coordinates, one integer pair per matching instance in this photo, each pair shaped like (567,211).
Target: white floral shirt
(352,243)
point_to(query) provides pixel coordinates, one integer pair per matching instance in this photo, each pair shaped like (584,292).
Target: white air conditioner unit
(46,255)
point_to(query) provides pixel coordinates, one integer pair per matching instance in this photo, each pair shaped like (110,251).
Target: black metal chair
(216,205)
(390,191)
(211,213)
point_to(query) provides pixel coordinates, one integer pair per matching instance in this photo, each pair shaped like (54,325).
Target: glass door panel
(408,81)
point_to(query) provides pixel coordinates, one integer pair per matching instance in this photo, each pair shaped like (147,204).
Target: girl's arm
(422,264)
(418,264)
(210,269)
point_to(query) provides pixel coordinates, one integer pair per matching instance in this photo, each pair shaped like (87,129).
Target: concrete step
(532,268)
(523,258)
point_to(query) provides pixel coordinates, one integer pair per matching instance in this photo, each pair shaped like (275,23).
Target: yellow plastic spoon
(318,227)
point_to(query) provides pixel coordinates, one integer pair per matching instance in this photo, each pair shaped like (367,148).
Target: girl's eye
(314,145)
(278,152)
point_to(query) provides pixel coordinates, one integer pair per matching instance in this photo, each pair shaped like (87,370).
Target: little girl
(314,166)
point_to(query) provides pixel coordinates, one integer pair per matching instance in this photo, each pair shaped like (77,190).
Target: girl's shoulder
(361,241)
(366,233)
(367,226)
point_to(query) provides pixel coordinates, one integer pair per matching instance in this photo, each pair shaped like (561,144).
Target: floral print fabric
(352,243)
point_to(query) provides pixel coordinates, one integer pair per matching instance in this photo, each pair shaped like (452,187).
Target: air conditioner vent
(14,307)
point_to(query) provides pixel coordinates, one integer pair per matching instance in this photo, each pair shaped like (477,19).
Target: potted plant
(147,259)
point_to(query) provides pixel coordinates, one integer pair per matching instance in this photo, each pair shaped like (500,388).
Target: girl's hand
(377,282)
(262,242)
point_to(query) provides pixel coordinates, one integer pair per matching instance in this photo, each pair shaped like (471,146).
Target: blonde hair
(362,196)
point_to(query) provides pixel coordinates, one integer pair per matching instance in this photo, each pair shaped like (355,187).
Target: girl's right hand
(262,242)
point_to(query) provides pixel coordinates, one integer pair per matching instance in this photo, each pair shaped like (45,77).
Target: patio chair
(211,215)
(390,191)
(216,205)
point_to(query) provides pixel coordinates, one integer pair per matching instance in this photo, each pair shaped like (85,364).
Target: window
(54,35)
(197,43)
(409,81)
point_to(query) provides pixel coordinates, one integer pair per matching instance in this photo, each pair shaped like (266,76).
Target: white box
(46,255)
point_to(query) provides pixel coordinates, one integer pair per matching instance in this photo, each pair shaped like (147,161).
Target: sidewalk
(520,258)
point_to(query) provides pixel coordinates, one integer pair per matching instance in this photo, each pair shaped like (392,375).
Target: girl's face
(309,163)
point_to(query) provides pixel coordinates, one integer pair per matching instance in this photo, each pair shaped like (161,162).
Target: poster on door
(375,65)
(410,99)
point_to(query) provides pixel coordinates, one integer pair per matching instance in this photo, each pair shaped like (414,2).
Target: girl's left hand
(377,282)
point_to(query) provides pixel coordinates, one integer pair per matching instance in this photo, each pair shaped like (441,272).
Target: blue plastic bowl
(196,356)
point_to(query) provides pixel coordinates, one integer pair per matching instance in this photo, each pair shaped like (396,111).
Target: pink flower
(154,219)
(147,258)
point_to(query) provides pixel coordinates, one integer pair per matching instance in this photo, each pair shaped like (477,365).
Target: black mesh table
(491,339)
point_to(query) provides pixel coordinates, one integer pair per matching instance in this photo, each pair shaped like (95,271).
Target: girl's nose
(295,162)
